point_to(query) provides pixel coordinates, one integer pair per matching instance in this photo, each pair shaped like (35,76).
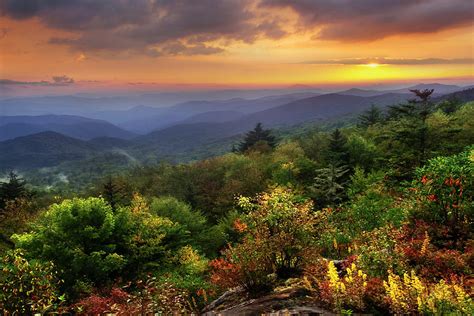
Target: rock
(283,301)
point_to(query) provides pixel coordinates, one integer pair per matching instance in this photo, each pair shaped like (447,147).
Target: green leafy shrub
(377,251)
(195,229)
(278,237)
(444,189)
(92,245)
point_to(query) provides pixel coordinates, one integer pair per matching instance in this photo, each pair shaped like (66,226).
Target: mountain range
(69,125)
(47,140)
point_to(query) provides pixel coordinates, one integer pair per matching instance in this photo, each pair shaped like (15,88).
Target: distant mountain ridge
(439,89)
(181,112)
(46,149)
(69,125)
(43,150)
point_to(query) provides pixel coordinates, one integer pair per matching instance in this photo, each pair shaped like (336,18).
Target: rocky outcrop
(286,300)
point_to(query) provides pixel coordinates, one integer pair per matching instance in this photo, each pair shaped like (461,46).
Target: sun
(372,65)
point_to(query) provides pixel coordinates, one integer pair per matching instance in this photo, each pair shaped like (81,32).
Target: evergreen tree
(338,153)
(450,105)
(412,130)
(370,117)
(14,188)
(113,193)
(257,135)
(328,187)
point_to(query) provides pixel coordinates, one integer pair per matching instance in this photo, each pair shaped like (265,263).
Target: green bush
(444,187)
(92,245)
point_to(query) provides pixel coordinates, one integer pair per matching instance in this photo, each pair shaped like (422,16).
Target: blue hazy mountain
(69,125)
(191,135)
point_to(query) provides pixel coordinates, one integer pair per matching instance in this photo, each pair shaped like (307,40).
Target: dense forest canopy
(373,215)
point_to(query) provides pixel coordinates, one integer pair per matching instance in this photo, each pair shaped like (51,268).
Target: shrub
(278,238)
(195,229)
(447,299)
(410,295)
(92,245)
(378,251)
(27,287)
(79,236)
(188,271)
(282,224)
(419,245)
(148,297)
(246,265)
(445,190)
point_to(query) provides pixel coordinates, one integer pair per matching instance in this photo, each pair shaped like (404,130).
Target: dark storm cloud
(56,81)
(141,25)
(376,19)
(392,61)
(186,27)
(78,14)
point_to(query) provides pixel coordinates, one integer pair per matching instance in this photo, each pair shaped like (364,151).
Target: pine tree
(13,189)
(413,130)
(329,183)
(257,135)
(113,193)
(450,105)
(370,117)
(337,153)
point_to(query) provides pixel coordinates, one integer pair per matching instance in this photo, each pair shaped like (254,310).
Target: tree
(13,189)
(328,186)
(337,151)
(114,192)
(258,134)
(362,152)
(450,105)
(412,132)
(419,107)
(370,117)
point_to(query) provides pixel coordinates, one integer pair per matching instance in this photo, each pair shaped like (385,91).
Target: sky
(54,44)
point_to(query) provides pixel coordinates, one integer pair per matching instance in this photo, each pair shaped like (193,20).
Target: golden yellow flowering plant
(410,294)
(447,299)
(346,291)
(404,295)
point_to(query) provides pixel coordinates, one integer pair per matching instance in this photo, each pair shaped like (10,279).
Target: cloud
(203,27)
(63,80)
(81,57)
(392,61)
(3,32)
(7,82)
(364,20)
(184,27)
(178,48)
(56,81)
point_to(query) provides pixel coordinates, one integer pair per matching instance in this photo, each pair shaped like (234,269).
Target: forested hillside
(373,217)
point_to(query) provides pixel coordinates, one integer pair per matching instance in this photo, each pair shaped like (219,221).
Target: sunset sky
(235,42)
